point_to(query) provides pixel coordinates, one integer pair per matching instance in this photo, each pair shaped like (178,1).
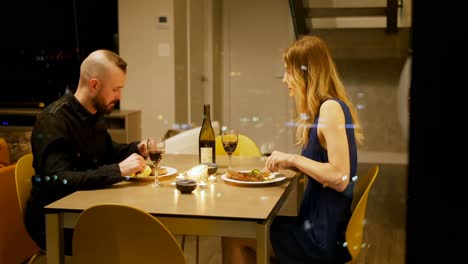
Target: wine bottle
(206,139)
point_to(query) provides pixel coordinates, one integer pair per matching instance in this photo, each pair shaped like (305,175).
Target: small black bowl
(212,168)
(186,185)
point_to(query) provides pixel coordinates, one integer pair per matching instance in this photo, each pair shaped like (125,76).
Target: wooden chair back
(355,228)
(113,233)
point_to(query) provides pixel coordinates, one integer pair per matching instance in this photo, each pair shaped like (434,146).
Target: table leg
(263,239)
(54,239)
(197,249)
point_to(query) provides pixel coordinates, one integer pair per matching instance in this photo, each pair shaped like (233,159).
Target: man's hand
(133,164)
(143,147)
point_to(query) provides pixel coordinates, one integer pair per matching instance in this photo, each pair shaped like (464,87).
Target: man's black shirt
(72,150)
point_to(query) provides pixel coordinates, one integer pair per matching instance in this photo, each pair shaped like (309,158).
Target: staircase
(356,29)
(309,15)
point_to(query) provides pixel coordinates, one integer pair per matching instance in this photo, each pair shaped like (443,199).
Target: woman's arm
(332,134)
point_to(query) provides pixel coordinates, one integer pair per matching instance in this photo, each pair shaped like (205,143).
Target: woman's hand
(279,161)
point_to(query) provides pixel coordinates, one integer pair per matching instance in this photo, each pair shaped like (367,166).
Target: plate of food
(149,173)
(252,177)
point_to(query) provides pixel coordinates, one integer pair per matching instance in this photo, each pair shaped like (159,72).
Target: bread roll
(162,171)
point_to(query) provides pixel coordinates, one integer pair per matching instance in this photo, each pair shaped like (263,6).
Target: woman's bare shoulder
(331,108)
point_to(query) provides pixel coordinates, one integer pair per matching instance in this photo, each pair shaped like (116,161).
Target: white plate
(278,177)
(170,171)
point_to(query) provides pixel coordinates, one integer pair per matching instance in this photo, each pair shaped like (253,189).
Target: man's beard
(101,107)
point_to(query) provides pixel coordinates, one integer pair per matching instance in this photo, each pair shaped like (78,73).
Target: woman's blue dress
(317,235)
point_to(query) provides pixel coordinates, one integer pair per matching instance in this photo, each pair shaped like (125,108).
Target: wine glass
(229,138)
(156,151)
(266,149)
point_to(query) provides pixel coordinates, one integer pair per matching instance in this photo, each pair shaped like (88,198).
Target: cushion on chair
(18,144)
(245,147)
(186,142)
(4,153)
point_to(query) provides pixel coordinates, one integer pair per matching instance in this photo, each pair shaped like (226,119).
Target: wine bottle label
(206,155)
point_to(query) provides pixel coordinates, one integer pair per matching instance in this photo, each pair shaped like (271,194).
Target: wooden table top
(220,199)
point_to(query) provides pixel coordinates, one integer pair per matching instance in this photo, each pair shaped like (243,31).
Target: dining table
(220,208)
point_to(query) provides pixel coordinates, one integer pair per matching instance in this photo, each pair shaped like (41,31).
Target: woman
(328,131)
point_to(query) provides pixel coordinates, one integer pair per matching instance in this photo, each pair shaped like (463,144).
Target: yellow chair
(355,228)
(113,233)
(23,173)
(245,147)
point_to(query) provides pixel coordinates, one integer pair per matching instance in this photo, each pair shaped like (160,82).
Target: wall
(255,100)
(156,82)
(171,70)
(180,59)
(204,36)
(149,52)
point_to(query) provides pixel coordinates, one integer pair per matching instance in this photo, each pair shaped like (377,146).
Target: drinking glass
(156,151)
(266,149)
(229,138)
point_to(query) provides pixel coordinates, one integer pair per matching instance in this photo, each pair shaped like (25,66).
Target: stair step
(365,43)
(355,22)
(347,22)
(344,3)
(336,14)
(345,12)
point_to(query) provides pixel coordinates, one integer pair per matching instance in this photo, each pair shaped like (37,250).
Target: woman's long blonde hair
(312,73)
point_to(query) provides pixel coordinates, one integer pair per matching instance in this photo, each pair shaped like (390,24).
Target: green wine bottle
(206,139)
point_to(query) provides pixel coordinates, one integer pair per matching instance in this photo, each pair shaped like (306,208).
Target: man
(71,146)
